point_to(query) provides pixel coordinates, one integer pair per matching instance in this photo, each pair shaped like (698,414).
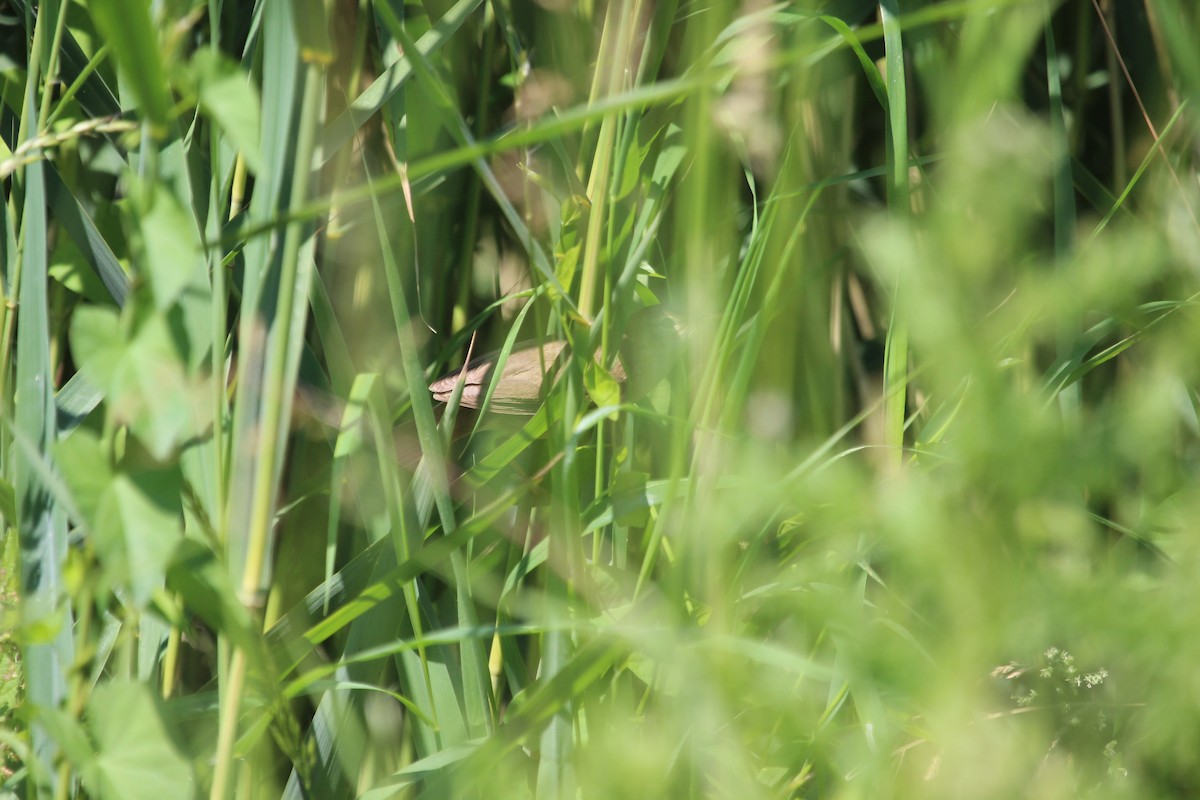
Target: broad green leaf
(69,734)
(138,526)
(146,383)
(136,757)
(171,253)
(154,396)
(97,343)
(85,468)
(230,98)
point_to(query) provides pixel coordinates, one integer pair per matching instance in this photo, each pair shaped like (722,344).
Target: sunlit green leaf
(231,99)
(136,756)
(171,251)
(138,526)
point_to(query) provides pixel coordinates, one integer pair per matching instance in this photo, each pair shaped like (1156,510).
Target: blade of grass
(273,320)
(131,33)
(46,613)
(391,80)
(1141,170)
(76,222)
(466,143)
(1064,205)
(895,378)
(477,693)
(89,89)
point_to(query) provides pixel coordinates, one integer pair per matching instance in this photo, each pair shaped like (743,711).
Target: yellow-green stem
(270,428)
(227,732)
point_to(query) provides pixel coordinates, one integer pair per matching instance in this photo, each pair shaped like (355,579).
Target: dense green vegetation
(908,508)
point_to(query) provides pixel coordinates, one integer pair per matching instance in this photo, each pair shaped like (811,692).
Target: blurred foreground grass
(913,514)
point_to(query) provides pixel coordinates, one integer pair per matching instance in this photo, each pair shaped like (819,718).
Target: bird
(648,348)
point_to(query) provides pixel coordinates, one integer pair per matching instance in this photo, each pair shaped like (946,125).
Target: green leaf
(127,27)
(632,163)
(601,386)
(567,263)
(421,769)
(630,500)
(311,21)
(203,584)
(85,468)
(92,240)
(138,526)
(144,377)
(69,734)
(171,252)
(157,404)
(96,343)
(368,104)
(8,500)
(230,98)
(74,402)
(70,268)
(136,758)
(39,516)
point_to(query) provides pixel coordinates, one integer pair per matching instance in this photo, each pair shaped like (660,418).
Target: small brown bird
(648,348)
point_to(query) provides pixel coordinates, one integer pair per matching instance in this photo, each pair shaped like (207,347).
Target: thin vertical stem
(895,370)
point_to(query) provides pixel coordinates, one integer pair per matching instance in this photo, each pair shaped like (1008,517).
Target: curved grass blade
(87,237)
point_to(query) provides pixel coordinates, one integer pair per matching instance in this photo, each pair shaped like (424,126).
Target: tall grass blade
(46,614)
(895,369)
